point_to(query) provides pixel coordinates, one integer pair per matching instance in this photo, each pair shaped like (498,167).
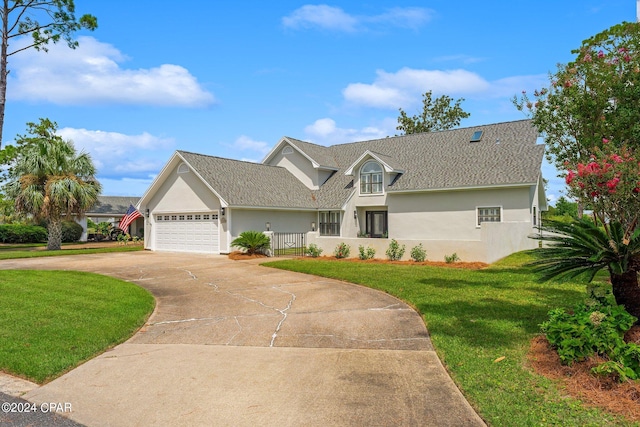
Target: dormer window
(371,178)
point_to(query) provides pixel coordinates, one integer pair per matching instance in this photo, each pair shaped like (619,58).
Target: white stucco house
(475,191)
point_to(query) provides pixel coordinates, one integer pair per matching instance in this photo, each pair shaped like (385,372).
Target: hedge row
(18,233)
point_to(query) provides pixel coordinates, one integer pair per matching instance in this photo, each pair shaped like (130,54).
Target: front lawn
(52,321)
(16,251)
(481,323)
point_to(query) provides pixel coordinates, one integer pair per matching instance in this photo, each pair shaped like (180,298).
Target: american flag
(128,218)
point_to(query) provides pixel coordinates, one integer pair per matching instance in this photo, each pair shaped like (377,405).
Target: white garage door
(193,232)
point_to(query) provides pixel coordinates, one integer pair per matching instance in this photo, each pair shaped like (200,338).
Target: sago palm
(582,247)
(252,242)
(50,181)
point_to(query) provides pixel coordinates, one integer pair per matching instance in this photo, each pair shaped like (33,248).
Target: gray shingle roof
(251,184)
(507,154)
(112,205)
(319,153)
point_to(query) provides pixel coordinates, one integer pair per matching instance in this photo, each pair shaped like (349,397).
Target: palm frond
(581,247)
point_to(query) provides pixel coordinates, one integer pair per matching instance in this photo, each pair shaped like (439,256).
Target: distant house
(475,191)
(111,209)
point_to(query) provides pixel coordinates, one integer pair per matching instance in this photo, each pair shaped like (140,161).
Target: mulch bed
(237,255)
(579,382)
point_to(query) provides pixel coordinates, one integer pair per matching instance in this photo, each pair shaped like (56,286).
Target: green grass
(13,252)
(475,317)
(52,321)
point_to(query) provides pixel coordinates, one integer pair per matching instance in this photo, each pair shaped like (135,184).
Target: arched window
(371,178)
(183,168)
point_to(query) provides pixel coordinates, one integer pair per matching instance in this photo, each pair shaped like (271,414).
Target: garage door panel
(187,232)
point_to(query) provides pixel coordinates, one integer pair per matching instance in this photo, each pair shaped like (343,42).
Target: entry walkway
(234,343)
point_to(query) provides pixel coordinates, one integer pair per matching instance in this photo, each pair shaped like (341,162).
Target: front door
(377,223)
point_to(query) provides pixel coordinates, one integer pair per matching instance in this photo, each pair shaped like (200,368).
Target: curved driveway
(234,343)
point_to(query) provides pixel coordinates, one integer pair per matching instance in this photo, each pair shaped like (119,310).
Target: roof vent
(477,136)
(183,168)
(287,150)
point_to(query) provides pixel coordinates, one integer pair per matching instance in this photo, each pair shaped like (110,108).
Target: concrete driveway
(234,343)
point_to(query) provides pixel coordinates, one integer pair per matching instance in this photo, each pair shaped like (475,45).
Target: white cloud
(92,74)
(326,132)
(245,143)
(335,19)
(404,17)
(406,86)
(322,16)
(117,153)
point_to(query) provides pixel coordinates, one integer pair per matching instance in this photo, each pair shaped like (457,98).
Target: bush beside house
(20,233)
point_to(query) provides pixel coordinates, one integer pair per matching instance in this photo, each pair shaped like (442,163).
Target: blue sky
(230,79)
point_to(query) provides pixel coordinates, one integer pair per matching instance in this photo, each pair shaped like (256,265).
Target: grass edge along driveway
(474,318)
(52,321)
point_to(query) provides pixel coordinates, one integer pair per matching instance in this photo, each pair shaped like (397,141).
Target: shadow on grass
(494,322)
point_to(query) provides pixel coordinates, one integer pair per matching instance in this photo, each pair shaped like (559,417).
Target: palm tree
(582,247)
(50,181)
(252,242)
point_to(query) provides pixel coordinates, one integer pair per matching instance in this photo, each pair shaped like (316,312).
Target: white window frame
(368,175)
(500,214)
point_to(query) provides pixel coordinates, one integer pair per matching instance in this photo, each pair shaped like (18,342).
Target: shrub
(18,233)
(451,258)
(596,326)
(252,242)
(123,238)
(71,231)
(367,253)
(395,252)
(418,254)
(313,250)
(342,250)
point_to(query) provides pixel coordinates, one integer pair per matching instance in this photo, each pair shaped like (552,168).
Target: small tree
(46,22)
(50,181)
(436,115)
(252,242)
(566,208)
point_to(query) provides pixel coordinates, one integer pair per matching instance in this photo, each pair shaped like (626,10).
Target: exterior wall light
(223,211)
(313,226)
(146,213)
(268,225)
(355,214)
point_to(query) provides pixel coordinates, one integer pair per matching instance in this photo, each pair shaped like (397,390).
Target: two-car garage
(187,232)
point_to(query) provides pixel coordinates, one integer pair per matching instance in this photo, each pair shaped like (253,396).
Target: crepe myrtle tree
(590,121)
(49,180)
(45,22)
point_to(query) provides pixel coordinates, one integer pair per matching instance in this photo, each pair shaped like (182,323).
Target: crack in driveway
(284,315)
